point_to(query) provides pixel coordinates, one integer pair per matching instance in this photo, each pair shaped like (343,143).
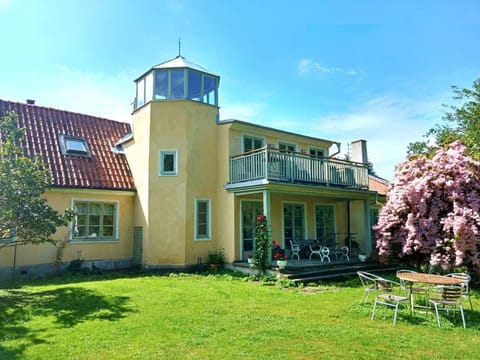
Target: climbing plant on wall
(262,242)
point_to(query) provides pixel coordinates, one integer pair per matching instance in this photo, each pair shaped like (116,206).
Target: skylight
(73,145)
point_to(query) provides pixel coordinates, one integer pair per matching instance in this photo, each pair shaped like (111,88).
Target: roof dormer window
(73,145)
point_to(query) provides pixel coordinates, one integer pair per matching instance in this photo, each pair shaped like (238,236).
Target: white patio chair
(315,250)
(368,282)
(295,249)
(325,254)
(388,297)
(449,299)
(465,285)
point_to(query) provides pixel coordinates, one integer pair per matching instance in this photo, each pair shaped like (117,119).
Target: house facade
(181,182)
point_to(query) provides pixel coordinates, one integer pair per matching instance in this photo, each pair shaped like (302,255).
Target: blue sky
(339,70)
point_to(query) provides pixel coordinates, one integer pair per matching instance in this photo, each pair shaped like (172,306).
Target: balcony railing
(275,165)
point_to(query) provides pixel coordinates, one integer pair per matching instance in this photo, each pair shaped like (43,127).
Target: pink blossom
(432,211)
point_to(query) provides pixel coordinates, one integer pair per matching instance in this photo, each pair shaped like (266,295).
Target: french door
(293,222)
(325,224)
(250,210)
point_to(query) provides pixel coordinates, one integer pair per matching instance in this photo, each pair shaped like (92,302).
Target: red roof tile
(378,184)
(103,170)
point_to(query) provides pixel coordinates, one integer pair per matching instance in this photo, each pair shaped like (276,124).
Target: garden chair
(449,299)
(368,282)
(315,250)
(414,290)
(388,296)
(342,253)
(465,285)
(295,249)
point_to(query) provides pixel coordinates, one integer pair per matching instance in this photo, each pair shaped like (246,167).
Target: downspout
(338,151)
(349,235)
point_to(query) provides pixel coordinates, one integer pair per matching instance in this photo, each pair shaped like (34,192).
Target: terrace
(271,164)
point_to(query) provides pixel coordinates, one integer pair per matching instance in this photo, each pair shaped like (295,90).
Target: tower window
(168,163)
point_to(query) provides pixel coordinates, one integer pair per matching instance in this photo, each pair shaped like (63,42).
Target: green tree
(463,123)
(25,217)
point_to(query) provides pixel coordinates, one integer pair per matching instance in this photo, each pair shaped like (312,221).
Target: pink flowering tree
(432,211)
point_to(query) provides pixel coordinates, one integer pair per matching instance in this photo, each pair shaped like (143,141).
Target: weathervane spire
(179,46)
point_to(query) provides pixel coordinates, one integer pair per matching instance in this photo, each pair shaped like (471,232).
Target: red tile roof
(103,170)
(378,184)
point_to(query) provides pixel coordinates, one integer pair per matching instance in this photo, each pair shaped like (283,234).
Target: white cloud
(108,96)
(307,66)
(388,124)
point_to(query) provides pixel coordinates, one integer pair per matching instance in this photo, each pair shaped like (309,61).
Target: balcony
(297,168)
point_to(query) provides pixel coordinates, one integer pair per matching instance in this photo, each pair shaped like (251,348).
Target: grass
(215,316)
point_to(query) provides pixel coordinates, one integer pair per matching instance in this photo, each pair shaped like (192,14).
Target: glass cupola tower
(177,79)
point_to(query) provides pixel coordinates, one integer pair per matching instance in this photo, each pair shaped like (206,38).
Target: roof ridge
(18,103)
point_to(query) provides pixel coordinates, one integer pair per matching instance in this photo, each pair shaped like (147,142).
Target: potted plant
(250,259)
(216,258)
(281,260)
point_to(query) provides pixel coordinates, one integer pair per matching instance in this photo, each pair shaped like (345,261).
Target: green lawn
(215,317)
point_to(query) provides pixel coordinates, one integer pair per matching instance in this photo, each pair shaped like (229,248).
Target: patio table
(430,279)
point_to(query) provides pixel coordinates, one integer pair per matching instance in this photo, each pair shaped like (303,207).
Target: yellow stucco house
(180,182)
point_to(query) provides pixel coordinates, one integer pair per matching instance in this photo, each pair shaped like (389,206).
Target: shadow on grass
(68,306)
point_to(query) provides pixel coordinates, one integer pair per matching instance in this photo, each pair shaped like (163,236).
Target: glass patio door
(293,223)
(325,224)
(250,211)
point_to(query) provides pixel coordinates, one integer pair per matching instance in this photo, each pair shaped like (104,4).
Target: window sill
(93,240)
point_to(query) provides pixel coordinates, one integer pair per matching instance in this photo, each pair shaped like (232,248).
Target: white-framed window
(252,143)
(294,226)
(73,145)
(95,220)
(319,153)
(286,147)
(203,215)
(168,163)
(325,224)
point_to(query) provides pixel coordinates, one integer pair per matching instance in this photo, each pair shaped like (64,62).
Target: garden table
(430,279)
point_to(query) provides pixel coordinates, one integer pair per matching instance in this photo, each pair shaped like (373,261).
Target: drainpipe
(338,150)
(14,257)
(348,226)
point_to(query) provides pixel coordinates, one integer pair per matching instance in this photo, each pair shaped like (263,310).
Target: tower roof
(178,62)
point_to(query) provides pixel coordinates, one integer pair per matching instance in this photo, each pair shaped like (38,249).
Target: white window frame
(334,208)
(316,150)
(253,137)
(305,216)
(161,162)
(208,236)
(283,143)
(73,224)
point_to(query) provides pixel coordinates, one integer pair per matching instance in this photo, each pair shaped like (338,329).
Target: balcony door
(250,209)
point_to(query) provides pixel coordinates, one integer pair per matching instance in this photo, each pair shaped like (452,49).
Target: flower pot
(362,257)
(281,264)
(251,261)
